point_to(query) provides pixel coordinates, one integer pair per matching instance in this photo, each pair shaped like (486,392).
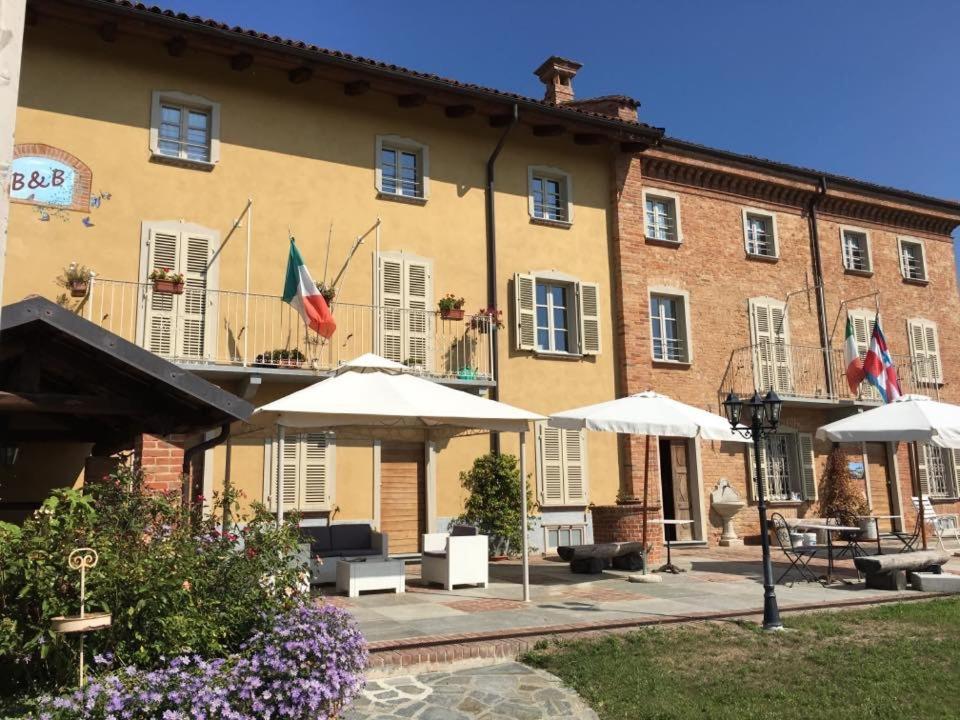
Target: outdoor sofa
(325,544)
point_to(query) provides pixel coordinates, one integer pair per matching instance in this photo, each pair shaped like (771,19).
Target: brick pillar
(161,462)
(624,523)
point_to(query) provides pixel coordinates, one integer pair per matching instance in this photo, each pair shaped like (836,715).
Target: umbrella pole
(523,517)
(646,492)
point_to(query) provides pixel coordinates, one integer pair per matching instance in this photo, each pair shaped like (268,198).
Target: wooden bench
(889,572)
(592,559)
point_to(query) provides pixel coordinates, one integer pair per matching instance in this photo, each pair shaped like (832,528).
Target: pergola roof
(64,378)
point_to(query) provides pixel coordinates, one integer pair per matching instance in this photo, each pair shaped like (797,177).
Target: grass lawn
(892,661)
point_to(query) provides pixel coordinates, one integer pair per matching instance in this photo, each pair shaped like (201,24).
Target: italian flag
(300,291)
(851,358)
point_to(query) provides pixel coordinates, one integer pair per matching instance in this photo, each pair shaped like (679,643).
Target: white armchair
(455,560)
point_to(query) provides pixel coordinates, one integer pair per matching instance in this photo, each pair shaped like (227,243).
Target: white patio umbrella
(647,413)
(376,397)
(911,418)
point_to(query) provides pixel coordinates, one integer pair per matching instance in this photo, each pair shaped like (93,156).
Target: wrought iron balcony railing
(231,328)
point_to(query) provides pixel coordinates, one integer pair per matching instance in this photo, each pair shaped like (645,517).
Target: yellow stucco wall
(305,155)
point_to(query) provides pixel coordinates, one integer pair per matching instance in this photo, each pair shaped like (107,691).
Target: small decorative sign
(50,177)
(856,469)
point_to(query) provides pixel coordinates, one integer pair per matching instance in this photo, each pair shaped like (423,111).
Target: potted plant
(280,357)
(166,282)
(328,293)
(76,279)
(485,318)
(451,307)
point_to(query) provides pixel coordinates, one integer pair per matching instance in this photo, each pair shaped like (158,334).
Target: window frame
(402,145)
(772,217)
(904,239)
(674,199)
(936,377)
(558,527)
(584,327)
(184,101)
(566,501)
(572,311)
(796,465)
(867,250)
(546,172)
(683,321)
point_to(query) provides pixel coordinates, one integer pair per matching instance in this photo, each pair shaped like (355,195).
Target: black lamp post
(760,417)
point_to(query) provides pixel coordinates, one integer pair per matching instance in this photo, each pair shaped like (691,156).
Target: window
(556,314)
(787,467)
(925,350)
(669,327)
(402,168)
(856,250)
(561,466)
(553,317)
(405,309)
(661,216)
(770,338)
(184,129)
(938,471)
(176,327)
(760,233)
(562,535)
(308,471)
(913,261)
(549,198)
(863,322)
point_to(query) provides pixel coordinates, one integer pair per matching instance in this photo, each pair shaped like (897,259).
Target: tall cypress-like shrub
(840,494)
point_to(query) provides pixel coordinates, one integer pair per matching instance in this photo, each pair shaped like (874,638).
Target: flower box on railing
(452,314)
(168,287)
(78,288)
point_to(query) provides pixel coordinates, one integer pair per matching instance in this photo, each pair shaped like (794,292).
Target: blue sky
(865,89)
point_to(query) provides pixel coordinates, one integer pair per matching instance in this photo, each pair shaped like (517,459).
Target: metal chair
(798,555)
(850,537)
(909,539)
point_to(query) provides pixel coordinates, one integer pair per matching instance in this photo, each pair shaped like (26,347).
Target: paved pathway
(509,691)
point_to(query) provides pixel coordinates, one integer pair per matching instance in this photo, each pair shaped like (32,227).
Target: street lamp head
(756,406)
(772,407)
(732,406)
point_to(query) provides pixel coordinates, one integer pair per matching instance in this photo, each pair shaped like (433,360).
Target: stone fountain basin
(75,623)
(726,509)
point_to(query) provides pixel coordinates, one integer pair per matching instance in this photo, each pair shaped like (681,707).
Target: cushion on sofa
(358,552)
(462,530)
(350,537)
(435,554)
(318,536)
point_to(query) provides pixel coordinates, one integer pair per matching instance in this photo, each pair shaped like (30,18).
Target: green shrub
(173,581)
(494,502)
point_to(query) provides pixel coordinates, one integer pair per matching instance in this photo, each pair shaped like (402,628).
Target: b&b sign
(48,176)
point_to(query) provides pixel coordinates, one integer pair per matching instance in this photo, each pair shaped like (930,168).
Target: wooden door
(681,488)
(403,495)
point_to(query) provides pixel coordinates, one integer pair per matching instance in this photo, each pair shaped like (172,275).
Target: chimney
(557,73)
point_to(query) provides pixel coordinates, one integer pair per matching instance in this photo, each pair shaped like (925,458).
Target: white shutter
(391,316)
(291,467)
(315,469)
(418,303)
(922,478)
(159,334)
(525,311)
(807,464)
(574,467)
(196,250)
(768,326)
(925,348)
(589,297)
(953,465)
(863,322)
(550,449)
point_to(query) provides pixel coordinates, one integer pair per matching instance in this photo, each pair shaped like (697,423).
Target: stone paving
(719,580)
(508,691)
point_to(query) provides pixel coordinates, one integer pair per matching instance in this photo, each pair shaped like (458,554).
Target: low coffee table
(355,576)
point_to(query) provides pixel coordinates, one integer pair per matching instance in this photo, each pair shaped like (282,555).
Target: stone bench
(889,572)
(592,559)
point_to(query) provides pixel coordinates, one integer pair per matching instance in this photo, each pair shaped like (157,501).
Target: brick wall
(711,266)
(162,463)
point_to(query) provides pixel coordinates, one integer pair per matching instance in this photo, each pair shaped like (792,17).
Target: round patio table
(669,566)
(829,530)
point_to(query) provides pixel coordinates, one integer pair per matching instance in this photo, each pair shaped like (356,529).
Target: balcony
(229,333)
(798,374)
